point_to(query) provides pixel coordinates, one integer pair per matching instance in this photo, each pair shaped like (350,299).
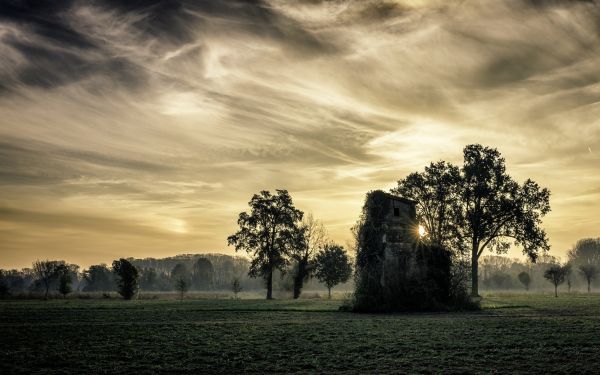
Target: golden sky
(143,128)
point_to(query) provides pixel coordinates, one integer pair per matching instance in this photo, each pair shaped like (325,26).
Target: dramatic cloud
(142,128)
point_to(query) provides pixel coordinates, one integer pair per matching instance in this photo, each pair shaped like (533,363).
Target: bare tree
(46,273)
(314,238)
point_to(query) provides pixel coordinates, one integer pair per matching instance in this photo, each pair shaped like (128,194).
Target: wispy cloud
(144,127)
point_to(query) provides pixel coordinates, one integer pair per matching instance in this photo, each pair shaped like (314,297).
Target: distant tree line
(181,274)
(580,271)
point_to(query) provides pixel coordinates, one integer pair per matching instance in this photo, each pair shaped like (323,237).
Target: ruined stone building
(400,232)
(396,269)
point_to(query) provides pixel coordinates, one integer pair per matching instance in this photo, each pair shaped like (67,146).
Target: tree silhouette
(181,285)
(236,287)
(45,271)
(180,272)
(127,278)
(332,266)
(64,279)
(556,275)
(313,239)
(494,209)
(589,273)
(268,232)
(478,207)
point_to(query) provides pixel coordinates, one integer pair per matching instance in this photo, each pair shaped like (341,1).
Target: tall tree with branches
(496,211)
(268,232)
(478,207)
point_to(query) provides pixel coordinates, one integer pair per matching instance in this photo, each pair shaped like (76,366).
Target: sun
(422,231)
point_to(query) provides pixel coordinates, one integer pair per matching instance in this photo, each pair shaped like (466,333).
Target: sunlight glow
(422,231)
(176,225)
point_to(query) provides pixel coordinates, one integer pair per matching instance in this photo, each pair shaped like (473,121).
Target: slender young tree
(180,272)
(236,287)
(181,285)
(589,273)
(556,275)
(332,266)
(268,233)
(313,239)
(64,279)
(569,275)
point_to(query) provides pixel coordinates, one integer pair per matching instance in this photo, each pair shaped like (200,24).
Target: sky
(142,128)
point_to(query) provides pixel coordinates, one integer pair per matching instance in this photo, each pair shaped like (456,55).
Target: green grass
(514,333)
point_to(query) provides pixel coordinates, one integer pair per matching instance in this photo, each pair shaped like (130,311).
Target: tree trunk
(589,282)
(299,278)
(270,285)
(474,273)
(555,290)
(297,286)
(329,292)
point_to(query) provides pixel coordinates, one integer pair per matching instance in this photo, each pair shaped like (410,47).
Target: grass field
(512,334)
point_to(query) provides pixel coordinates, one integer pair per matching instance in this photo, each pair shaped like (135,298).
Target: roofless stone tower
(400,229)
(396,269)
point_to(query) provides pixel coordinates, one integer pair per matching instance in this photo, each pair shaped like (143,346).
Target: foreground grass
(512,334)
